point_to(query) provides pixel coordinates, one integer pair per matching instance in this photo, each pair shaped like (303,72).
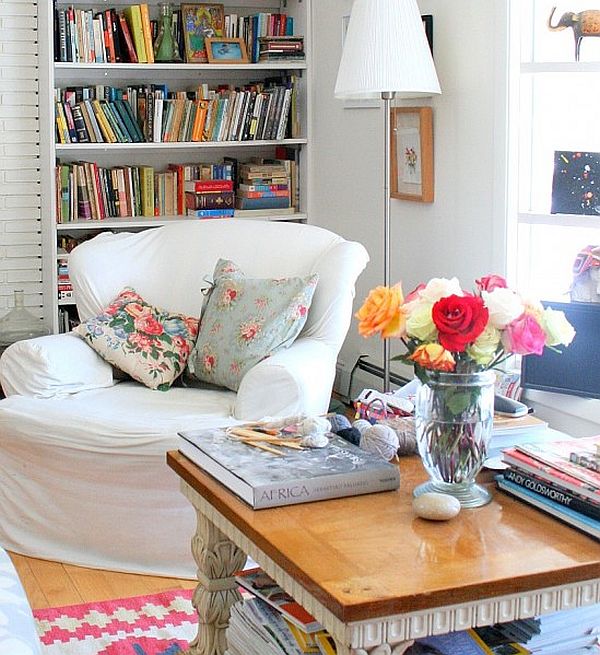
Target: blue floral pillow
(150,344)
(245,320)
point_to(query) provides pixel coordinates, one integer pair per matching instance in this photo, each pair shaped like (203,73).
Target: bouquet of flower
(447,329)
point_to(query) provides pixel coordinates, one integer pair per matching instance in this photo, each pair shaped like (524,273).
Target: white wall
(462,232)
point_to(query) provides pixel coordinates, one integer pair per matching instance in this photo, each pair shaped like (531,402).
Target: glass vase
(166,48)
(19,323)
(454,416)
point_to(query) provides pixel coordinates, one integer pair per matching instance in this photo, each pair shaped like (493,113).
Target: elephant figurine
(584,23)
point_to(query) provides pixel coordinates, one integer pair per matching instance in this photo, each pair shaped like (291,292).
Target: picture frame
(226,51)
(428,27)
(200,21)
(411,153)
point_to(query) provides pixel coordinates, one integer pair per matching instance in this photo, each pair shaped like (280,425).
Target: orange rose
(382,312)
(434,356)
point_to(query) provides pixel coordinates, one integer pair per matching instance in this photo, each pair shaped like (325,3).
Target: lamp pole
(387,97)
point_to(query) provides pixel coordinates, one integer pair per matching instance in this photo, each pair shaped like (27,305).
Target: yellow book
(105,127)
(147,31)
(61,123)
(147,189)
(133,15)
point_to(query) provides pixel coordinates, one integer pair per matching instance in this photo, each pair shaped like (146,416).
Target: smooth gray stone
(436,507)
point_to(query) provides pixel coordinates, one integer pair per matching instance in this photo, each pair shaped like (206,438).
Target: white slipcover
(82,459)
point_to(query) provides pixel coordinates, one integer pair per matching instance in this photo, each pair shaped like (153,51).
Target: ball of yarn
(380,440)
(338,422)
(314,441)
(315,425)
(361,425)
(350,434)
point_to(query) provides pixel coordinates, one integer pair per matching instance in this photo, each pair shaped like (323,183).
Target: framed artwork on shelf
(201,21)
(226,51)
(412,153)
(428,27)
(576,182)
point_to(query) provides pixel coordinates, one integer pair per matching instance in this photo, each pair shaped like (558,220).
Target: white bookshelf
(178,77)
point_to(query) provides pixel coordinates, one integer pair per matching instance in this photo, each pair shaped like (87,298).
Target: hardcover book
(263,479)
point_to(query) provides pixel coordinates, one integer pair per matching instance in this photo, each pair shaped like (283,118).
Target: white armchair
(82,457)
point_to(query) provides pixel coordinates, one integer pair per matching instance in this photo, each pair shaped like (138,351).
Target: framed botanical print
(201,21)
(412,153)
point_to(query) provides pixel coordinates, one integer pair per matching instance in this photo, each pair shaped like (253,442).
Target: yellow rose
(382,312)
(433,356)
(483,349)
(419,323)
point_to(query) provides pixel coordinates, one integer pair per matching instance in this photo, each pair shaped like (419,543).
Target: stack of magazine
(561,478)
(571,632)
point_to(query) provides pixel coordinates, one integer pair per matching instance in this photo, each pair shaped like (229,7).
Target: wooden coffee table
(376,576)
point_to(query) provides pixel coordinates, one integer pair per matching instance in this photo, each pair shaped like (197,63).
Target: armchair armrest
(296,380)
(53,365)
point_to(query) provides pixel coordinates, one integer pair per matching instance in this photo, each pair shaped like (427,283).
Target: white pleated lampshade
(386,50)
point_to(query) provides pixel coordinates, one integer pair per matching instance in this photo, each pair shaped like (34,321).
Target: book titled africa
(263,479)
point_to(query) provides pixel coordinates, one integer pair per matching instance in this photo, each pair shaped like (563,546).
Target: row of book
(108,36)
(276,48)
(129,34)
(64,286)
(259,111)
(561,478)
(86,191)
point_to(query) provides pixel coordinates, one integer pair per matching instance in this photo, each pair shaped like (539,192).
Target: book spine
(128,40)
(262,203)
(218,200)
(210,213)
(555,493)
(147,32)
(134,20)
(199,186)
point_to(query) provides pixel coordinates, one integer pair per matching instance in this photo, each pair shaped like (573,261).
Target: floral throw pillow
(152,345)
(245,320)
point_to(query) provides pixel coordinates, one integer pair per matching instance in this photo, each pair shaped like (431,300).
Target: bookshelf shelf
(185,145)
(87,79)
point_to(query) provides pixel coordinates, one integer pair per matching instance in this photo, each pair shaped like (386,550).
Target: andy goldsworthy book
(298,476)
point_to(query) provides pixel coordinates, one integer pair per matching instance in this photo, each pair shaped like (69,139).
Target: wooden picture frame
(226,51)
(199,22)
(411,153)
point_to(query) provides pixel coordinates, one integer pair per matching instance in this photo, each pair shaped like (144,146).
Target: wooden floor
(52,584)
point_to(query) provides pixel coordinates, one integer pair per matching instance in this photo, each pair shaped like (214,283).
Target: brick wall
(20,214)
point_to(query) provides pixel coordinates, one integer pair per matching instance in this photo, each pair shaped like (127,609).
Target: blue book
(576,519)
(281,202)
(210,213)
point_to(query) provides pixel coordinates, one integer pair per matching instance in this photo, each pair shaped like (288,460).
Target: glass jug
(165,46)
(19,323)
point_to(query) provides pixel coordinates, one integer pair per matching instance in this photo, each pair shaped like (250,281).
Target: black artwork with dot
(576,183)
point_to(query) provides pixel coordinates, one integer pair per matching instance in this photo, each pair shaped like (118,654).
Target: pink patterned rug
(159,624)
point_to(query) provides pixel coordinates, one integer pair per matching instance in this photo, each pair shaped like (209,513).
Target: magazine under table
(377,577)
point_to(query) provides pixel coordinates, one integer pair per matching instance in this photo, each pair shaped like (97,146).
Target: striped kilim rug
(159,624)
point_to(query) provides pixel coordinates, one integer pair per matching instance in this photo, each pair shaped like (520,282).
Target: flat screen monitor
(576,369)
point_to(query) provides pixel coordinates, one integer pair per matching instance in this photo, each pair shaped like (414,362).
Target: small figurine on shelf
(166,48)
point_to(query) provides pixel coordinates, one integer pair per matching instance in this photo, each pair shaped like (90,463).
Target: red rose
(491,282)
(459,320)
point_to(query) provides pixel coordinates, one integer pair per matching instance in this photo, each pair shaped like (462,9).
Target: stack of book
(107,36)
(263,186)
(561,478)
(275,48)
(86,191)
(209,198)
(152,113)
(65,287)
(252,28)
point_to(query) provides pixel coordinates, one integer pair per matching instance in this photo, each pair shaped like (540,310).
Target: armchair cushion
(52,366)
(246,320)
(150,344)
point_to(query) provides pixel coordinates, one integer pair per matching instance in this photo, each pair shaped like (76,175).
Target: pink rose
(142,341)
(491,282)
(135,309)
(148,324)
(415,293)
(524,336)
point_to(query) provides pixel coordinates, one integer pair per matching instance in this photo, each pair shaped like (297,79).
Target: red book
(127,39)
(108,37)
(199,186)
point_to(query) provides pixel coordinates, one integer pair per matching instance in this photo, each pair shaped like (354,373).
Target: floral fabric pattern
(246,320)
(150,344)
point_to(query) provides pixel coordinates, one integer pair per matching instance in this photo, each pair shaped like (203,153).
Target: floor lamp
(386,55)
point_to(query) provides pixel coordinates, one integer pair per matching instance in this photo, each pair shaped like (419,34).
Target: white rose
(503,305)
(440,287)
(419,324)
(483,349)
(558,330)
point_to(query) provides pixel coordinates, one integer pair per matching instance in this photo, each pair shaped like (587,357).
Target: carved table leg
(217,559)
(382,649)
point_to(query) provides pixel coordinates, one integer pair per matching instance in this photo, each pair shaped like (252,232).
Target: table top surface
(369,556)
